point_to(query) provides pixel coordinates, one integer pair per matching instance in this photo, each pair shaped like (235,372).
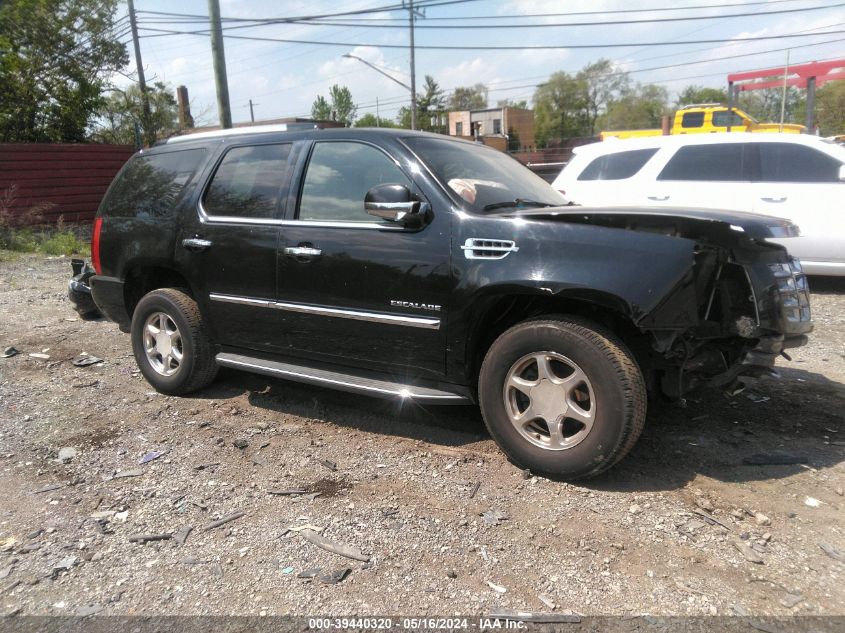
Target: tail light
(95,246)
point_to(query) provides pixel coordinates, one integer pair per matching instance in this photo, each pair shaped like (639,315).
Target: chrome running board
(340,381)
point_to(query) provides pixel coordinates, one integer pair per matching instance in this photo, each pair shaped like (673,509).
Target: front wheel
(562,396)
(170,342)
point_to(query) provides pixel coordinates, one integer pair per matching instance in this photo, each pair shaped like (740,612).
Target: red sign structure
(809,76)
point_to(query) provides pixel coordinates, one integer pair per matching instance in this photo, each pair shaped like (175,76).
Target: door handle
(781,199)
(658,198)
(196,244)
(303,251)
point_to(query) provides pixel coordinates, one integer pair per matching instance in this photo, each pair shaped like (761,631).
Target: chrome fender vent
(477,248)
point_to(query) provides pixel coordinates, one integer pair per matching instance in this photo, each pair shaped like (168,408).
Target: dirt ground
(448,524)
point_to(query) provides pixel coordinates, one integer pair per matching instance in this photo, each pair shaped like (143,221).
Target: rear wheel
(562,396)
(170,342)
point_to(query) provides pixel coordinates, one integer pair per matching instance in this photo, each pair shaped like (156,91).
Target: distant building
(506,129)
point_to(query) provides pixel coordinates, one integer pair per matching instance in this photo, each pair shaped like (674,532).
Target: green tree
(321,110)
(602,85)
(640,107)
(338,107)
(431,107)
(692,95)
(510,103)
(830,108)
(559,108)
(371,120)
(469,98)
(56,57)
(123,109)
(343,106)
(764,105)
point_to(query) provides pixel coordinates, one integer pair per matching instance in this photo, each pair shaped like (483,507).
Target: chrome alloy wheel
(163,344)
(549,400)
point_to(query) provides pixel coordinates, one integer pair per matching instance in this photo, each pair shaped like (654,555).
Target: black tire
(615,380)
(197,367)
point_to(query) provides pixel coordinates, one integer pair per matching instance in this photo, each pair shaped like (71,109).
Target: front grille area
(793,291)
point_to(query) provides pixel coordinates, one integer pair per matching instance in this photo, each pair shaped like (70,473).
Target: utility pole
(783,98)
(411,17)
(251,112)
(142,83)
(219,56)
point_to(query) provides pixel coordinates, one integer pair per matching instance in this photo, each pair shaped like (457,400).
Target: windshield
(484,178)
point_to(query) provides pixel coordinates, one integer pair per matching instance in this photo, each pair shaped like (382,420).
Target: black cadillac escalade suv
(416,266)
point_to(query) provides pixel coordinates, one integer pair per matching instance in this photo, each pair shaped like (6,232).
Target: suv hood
(682,222)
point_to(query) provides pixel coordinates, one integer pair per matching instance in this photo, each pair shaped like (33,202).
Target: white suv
(793,176)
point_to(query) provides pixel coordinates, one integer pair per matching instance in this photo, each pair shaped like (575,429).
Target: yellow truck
(706,118)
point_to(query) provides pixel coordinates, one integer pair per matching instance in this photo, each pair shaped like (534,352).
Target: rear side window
(249,182)
(617,166)
(151,185)
(721,119)
(719,161)
(787,162)
(692,119)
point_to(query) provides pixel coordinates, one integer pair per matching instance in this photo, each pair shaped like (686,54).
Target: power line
(537,47)
(564,24)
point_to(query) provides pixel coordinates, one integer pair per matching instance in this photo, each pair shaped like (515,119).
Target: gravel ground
(684,526)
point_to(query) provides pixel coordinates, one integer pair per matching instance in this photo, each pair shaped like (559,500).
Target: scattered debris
(128,473)
(775,459)
(4,573)
(475,488)
(91,609)
(287,493)
(705,504)
(204,466)
(182,535)
(240,443)
(300,528)
(287,571)
(451,574)
(40,355)
(334,577)
(86,361)
(791,599)
(65,564)
(48,488)
(494,517)
(635,509)
(711,519)
(145,538)
(146,459)
(833,552)
(812,502)
(496,588)
(223,520)
(309,573)
(335,548)
(328,464)
(217,570)
(10,586)
(66,454)
(747,553)
(547,601)
(9,352)
(762,519)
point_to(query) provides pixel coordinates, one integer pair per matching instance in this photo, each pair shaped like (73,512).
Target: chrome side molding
(356,315)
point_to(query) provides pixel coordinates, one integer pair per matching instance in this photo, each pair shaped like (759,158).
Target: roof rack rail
(248,129)
(702,105)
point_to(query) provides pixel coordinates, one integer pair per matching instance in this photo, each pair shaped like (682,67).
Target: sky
(283,79)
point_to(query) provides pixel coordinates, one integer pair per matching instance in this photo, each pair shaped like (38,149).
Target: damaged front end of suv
(742,303)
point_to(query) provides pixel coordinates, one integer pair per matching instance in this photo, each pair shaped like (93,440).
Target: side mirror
(842,172)
(391,202)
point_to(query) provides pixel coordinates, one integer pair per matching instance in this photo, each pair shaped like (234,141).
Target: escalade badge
(414,305)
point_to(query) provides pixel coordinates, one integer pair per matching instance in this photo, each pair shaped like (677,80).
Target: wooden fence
(40,182)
